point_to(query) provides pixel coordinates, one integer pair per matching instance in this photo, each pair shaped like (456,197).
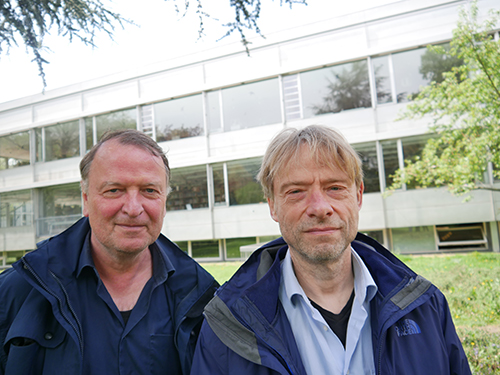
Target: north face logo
(406,327)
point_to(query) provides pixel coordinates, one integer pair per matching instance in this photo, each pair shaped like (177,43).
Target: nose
(132,205)
(318,204)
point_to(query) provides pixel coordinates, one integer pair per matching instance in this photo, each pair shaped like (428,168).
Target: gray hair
(327,145)
(124,137)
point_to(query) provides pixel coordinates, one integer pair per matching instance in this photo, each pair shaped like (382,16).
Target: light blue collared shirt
(321,350)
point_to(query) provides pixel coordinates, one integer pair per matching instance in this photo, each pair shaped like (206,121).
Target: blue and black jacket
(40,332)
(246,330)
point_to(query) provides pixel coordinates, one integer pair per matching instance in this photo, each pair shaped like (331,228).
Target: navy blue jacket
(246,330)
(40,332)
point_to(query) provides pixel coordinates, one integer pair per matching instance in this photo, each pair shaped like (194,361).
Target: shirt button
(48,336)
(325,328)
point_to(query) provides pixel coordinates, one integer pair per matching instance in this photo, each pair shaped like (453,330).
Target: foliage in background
(31,20)
(471,284)
(464,104)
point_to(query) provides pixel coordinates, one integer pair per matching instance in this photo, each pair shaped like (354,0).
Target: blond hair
(327,145)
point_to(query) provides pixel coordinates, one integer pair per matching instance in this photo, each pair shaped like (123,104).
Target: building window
(413,240)
(461,237)
(205,249)
(412,150)
(243,187)
(233,246)
(179,118)
(59,141)
(189,188)
(249,105)
(383,81)
(391,160)
(16,209)
(14,150)
(219,185)
(375,234)
(334,89)
(60,207)
(126,119)
(368,155)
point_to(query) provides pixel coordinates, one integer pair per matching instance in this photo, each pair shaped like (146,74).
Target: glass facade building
(215,123)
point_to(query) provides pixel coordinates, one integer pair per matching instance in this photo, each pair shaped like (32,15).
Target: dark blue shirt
(140,345)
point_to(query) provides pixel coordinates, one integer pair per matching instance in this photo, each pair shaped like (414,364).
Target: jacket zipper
(59,301)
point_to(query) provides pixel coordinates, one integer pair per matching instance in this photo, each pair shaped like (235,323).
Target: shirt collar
(162,266)
(364,285)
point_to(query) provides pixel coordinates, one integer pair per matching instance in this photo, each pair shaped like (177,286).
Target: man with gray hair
(324,299)
(110,295)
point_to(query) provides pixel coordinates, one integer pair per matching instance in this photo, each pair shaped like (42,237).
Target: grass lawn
(471,283)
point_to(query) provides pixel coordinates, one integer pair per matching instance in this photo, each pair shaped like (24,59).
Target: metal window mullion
(401,159)
(44,153)
(226,183)
(94,130)
(393,81)
(282,100)
(373,87)
(221,111)
(381,169)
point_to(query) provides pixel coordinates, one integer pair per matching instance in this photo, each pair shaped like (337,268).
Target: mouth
(322,230)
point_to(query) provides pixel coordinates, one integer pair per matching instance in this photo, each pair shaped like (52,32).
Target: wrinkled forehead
(320,155)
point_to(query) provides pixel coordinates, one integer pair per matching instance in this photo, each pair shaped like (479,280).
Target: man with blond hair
(324,299)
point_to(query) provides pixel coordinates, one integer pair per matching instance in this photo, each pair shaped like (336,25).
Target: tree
(465,109)
(31,20)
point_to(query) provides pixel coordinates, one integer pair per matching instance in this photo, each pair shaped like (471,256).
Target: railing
(50,226)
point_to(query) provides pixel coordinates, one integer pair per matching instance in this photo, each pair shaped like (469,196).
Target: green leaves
(464,108)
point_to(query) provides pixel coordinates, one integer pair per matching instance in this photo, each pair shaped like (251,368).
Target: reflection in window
(89,133)
(16,209)
(436,62)
(335,89)
(407,76)
(14,150)
(205,249)
(375,234)
(368,155)
(179,118)
(382,79)
(462,237)
(413,239)
(391,160)
(60,207)
(233,246)
(243,187)
(251,105)
(412,150)
(189,188)
(183,245)
(126,119)
(219,188)
(213,111)
(61,141)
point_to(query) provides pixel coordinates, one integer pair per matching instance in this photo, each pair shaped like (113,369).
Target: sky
(158,34)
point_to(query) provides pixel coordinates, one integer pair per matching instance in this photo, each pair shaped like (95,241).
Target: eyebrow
(304,182)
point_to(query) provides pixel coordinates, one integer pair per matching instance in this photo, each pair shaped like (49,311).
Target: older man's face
(125,199)
(317,208)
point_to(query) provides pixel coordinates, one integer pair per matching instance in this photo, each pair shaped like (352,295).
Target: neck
(125,279)
(328,284)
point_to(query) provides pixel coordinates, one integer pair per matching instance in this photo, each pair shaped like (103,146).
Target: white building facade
(214,113)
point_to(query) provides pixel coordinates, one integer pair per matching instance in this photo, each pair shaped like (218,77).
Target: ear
(359,195)
(85,201)
(272,210)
